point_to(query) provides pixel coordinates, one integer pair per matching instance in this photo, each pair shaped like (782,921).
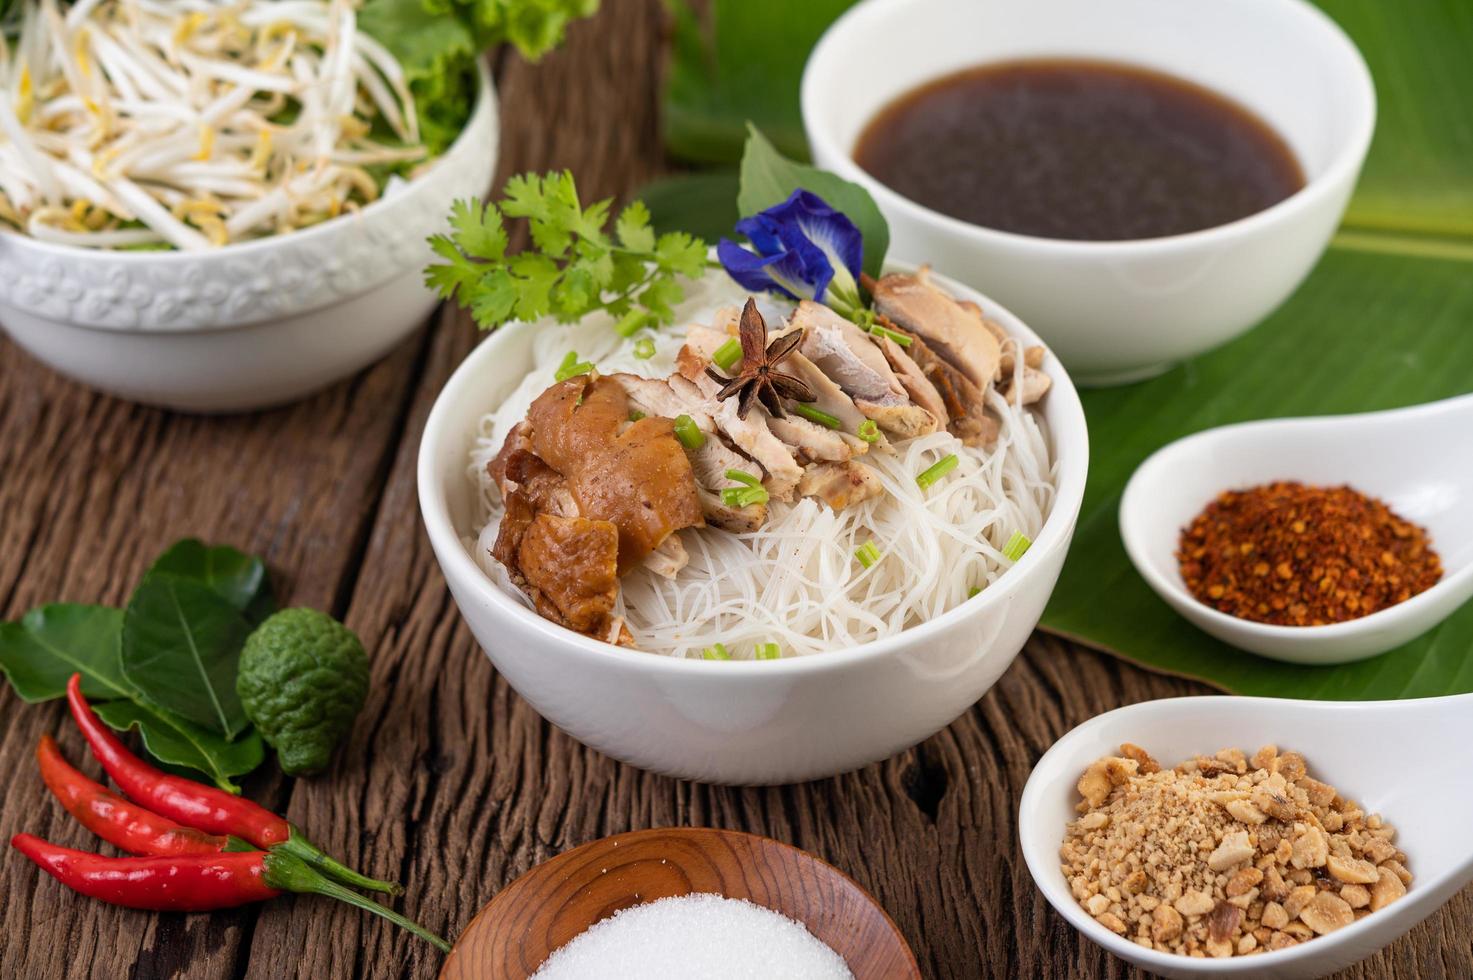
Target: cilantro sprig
(574,265)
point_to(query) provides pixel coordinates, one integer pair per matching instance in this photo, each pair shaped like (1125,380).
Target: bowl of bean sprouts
(217,206)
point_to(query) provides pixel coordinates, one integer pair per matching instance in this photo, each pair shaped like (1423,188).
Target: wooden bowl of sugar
(661,902)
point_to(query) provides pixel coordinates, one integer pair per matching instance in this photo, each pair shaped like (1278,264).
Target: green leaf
(1419,175)
(1370,329)
(661,297)
(573,267)
(40,653)
(181,649)
(536,276)
(633,227)
(703,205)
(438,55)
(768,178)
(680,253)
(478,229)
(238,578)
(743,63)
(174,741)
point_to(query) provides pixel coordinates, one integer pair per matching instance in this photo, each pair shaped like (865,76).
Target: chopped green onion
(972,592)
(868,431)
(899,338)
(727,355)
(816,415)
(1016,546)
(689,434)
(572,367)
(717,652)
(936,471)
(635,415)
(750,492)
(633,322)
(867,554)
(644,349)
(768,651)
(743,496)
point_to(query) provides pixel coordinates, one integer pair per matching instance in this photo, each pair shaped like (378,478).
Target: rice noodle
(795,580)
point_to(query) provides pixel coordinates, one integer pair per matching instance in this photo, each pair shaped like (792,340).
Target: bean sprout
(195,123)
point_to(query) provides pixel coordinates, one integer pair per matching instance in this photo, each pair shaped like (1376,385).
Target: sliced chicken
(915,382)
(750,435)
(737,520)
(840,485)
(808,439)
(832,401)
(954,330)
(966,404)
(669,558)
(654,396)
(1034,385)
(845,353)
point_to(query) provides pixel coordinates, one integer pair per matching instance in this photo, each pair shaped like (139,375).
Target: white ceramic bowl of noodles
(249,325)
(739,721)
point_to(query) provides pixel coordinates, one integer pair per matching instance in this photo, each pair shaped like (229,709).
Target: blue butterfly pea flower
(801,248)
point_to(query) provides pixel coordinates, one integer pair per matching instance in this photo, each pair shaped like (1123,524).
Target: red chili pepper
(114,819)
(203,807)
(188,883)
(195,882)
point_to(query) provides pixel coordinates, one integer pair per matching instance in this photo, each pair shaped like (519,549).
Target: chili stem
(300,847)
(289,873)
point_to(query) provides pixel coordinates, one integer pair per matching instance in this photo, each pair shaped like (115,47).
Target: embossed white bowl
(251,325)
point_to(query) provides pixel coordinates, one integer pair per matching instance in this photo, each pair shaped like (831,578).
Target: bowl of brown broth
(1142,179)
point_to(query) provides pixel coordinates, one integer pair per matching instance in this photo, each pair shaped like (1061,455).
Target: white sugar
(705,936)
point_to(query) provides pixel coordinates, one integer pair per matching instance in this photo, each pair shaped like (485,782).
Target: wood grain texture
(451,784)
(553,903)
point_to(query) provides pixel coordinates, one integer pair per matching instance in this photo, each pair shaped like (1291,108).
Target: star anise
(757,378)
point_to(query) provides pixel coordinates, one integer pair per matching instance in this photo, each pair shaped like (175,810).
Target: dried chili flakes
(1295,555)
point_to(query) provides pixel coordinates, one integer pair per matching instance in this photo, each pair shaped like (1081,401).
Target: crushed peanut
(1225,855)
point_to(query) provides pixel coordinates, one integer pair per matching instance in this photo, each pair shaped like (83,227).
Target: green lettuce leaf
(438,42)
(438,55)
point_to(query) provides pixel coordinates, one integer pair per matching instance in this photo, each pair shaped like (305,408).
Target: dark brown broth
(1078,149)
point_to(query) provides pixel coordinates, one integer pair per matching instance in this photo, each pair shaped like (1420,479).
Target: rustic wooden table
(450,782)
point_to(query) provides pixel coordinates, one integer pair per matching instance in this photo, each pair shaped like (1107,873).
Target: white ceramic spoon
(1418,460)
(1406,760)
